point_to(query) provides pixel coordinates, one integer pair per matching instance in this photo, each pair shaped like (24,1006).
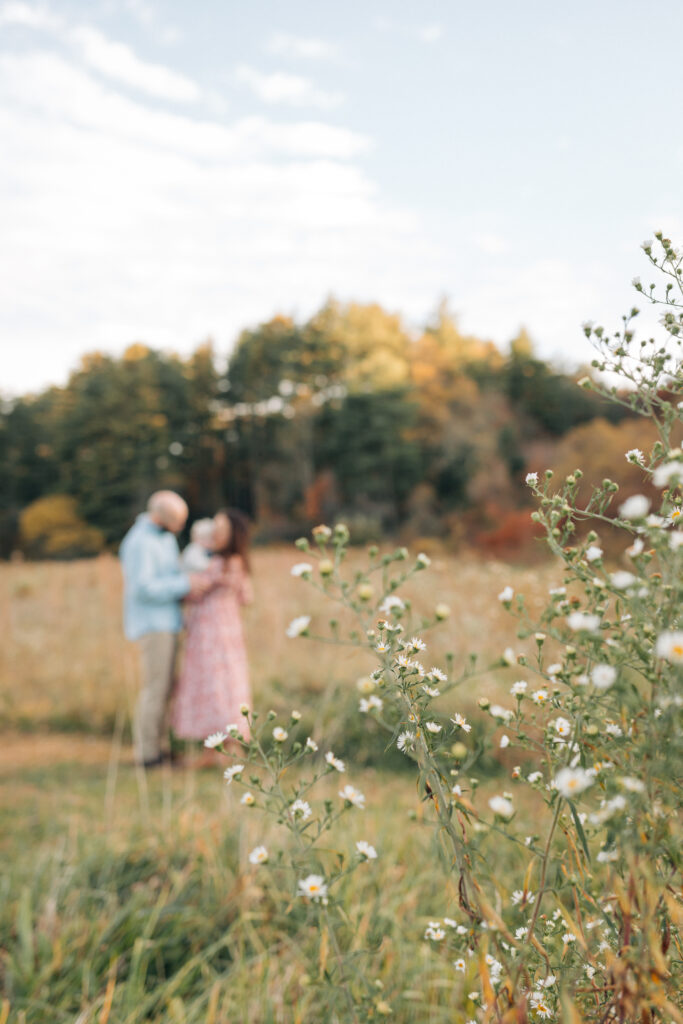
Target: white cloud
(149,19)
(287,45)
(122,222)
(491,244)
(430,33)
(281,87)
(117,61)
(16,13)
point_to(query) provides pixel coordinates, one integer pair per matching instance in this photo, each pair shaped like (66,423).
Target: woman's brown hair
(239,536)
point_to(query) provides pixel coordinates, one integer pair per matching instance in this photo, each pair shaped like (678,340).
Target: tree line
(346,415)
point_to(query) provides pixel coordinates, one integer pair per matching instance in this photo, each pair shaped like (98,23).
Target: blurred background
(317,261)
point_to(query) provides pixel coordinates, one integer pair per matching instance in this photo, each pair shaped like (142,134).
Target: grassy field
(128,897)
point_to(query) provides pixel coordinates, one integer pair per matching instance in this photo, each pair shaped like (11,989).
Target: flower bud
(302,544)
(484,703)
(326,567)
(442,611)
(365,591)
(459,751)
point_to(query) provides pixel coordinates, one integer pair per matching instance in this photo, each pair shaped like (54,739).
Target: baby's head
(202,533)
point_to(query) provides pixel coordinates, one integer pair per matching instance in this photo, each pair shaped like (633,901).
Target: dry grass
(64,664)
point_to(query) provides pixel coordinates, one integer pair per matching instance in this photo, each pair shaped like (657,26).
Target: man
(154,586)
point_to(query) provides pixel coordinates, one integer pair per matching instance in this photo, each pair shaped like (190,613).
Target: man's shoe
(154,762)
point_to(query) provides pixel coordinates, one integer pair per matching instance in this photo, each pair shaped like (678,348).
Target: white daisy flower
(390,604)
(431,691)
(635,455)
(432,727)
(594,553)
(335,761)
(506,595)
(581,622)
(367,704)
(501,806)
(562,727)
(667,472)
(534,777)
(248,800)
(366,850)
(461,721)
(301,809)
(279,734)
(603,676)
(531,479)
(496,711)
(215,740)
(405,740)
(415,644)
(635,507)
(233,772)
(569,782)
(518,689)
(632,784)
(622,579)
(434,931)
(539,697)
(460,964)
(259,855)
(298,626)
(314,887)
(311,745)
(437,674)
(423,561)
(670,646)
(302,569)
(353,796)
(504,741)
(456,790)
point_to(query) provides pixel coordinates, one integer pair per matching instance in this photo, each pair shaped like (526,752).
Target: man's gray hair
(165,503)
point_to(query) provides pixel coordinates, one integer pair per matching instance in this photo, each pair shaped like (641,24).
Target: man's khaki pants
(157,664)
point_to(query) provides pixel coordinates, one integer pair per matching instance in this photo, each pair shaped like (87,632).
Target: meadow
(128,897)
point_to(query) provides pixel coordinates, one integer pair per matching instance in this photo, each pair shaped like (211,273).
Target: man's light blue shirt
(153,583)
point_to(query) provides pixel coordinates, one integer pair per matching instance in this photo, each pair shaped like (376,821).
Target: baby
(197,554)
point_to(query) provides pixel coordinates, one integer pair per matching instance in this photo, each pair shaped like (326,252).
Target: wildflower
(301,808)
(326,567)
(298,626)
(666,473)
(531,479)
(635,455)
(415,644)
(314,887)
(335,762)
(521,933)
(322,532)
(382,647)
(391,604)
(432,727)
(279,734)
(311,745)
(562,727)
(519,688)
(442,611)
(676,541)
(506,595)
(580,621)
(233,772)
(248,800)
(456,790)
(539,696)
(540,1007)
(405,741)
(569,782)
(676,515)
(504,741)
(594,553)
(519,895)
(366,850)
(501,806)
(353,796)
(557,591)
(259,855)
(636,548)
(460,964)
(509,656)
(423,561)
(437,674)
(606,856)
(431,691)
(569,937)
(635,507)
(215,739)
(670,646)
(622,579)
(302,569)
(232,729)
(435,931)
(368,704)
(500,712)
(534,777)
(603,676)
(631,784)
(612,729)
(461,722)
(365,684)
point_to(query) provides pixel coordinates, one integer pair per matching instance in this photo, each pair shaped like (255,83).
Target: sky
(172,171)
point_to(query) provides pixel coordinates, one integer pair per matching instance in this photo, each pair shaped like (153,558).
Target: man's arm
(153,585)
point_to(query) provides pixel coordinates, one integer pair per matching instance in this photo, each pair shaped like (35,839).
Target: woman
(214,678)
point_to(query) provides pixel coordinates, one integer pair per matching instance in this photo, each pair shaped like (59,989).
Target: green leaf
(579,829)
